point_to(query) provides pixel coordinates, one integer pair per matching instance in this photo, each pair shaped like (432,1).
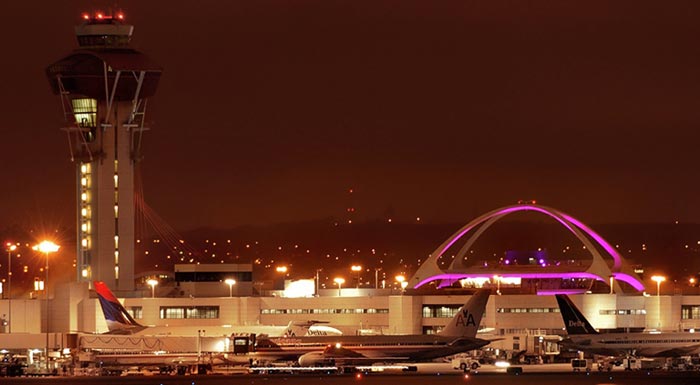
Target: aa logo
(465,318)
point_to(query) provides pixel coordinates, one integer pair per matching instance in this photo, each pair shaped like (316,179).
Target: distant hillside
(671,249)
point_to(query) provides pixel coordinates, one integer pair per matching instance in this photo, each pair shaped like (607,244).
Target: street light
(402,281)
(279,282)
(658,279)
(10,249)
(230,282)
(497,278)
(47,247)
(340,281)
(357,269)
(152,282)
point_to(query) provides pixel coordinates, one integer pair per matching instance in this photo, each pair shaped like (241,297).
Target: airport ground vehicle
(581,364)
(632,363)
(465,364)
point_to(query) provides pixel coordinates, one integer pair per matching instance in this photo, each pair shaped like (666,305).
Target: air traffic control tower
(103,87)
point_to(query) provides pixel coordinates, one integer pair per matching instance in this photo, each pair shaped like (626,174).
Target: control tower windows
(85,112)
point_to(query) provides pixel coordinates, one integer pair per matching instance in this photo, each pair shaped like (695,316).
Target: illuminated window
(197,312)
(690,311)
(85,113)
(135,311)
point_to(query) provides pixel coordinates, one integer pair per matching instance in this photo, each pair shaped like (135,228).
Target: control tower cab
(103,87)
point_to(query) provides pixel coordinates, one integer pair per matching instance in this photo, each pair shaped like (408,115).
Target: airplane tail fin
(466,322)
(119,321)
(574,321)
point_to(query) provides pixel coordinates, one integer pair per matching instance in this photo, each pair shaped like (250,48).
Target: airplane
(119,321)
(583,337)
(457,337)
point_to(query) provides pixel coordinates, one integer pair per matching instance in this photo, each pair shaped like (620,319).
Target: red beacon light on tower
(100,16)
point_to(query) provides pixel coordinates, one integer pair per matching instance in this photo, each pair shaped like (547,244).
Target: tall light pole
(47,247)
(376,277)
(230,282)
(10,249)
(658,279)
(340,281)
(278,284)
(317,282)
(152,283)
(357,269)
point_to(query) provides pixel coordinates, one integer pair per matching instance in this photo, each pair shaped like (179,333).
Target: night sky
(270,111)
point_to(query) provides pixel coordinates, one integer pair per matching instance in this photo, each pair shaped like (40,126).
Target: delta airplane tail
(466,322)
(574,321)
(119,321)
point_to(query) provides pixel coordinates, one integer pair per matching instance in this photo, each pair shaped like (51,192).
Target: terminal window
(690,311)
(196,312)
(440,311)
(135,311)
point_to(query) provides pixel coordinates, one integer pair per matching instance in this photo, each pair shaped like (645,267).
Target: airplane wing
(346,357)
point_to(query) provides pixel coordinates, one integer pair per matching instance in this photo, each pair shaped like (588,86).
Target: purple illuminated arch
(566,220)
(586,235)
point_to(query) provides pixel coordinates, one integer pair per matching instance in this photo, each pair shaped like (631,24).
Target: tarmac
(432,374)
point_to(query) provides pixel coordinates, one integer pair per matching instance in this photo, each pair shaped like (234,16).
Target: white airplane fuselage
(641,344)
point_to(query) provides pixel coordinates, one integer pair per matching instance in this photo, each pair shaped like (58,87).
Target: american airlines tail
(574,321)
(119,321)
(466,322)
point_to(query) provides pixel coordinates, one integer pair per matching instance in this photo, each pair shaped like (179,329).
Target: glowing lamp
(230,282)
(339,281)
(152,283)
(658,279)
